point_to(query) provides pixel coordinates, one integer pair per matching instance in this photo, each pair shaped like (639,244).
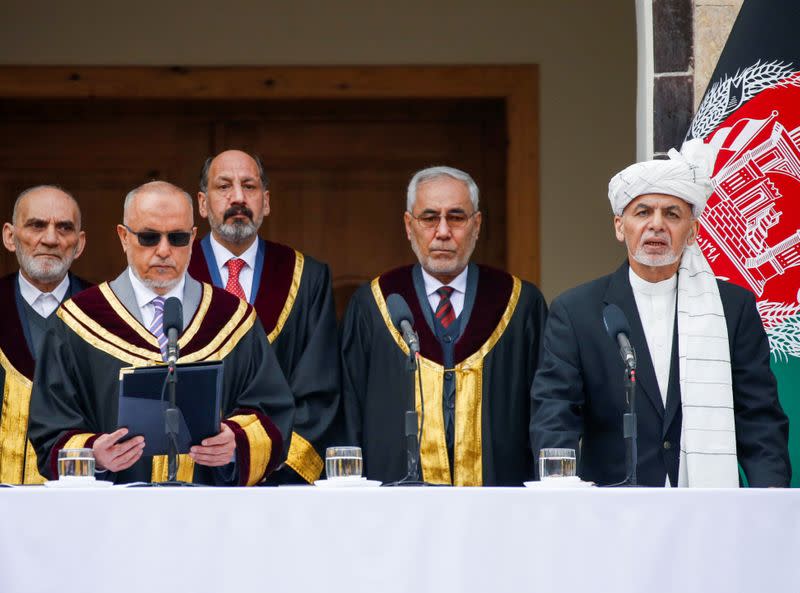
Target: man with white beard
(706,399)
(45,234)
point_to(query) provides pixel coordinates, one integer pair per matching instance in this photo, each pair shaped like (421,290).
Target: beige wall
(586,50)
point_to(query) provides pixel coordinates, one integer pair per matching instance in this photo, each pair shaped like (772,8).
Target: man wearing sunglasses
(479,331)
(118,324)
(46,237)
(290,291)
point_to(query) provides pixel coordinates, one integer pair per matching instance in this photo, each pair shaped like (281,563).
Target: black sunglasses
(153,238)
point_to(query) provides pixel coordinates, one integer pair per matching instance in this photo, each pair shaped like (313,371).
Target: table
(397,540)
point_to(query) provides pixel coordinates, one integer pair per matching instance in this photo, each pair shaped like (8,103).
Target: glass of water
(75,463)
(556,463)
(343,462)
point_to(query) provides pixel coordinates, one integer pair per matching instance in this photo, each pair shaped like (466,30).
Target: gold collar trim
(227,338)
(100,338)
(299,262)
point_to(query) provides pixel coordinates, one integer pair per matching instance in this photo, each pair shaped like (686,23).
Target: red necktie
(444,312)
(235,266)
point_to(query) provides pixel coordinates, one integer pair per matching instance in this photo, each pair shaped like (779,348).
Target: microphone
(173,325)
(403,320)
(619,329)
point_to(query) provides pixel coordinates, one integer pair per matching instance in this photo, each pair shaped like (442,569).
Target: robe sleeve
(62,414)
(259,406)
(355,360)
(314,375)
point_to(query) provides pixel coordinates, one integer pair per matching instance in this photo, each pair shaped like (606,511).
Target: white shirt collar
(30,293)
(639,284)
(222,254)
(459,283)
(144,294)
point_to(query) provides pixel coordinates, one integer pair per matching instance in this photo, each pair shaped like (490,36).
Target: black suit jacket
(578,393)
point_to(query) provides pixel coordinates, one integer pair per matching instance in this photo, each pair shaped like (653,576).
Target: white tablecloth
(386,540)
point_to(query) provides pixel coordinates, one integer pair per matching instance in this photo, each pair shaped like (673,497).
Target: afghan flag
(750,230)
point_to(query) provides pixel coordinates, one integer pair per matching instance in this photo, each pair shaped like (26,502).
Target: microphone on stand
(173,325)
(403,321)
(619,329)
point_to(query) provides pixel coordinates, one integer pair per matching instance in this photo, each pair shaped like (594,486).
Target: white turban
(686,175)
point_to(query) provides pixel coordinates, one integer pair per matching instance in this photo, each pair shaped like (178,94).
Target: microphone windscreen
(398,310)
(173,315)
(615,321)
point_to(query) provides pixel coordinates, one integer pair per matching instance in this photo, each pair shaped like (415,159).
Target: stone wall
(688,37)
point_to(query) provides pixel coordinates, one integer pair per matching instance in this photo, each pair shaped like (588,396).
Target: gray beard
(45,271)
(236,232)
(656,261)
(449,268)
(154,285)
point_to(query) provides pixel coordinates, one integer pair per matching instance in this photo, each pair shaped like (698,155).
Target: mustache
(238,210)
(164,262)
(656,237)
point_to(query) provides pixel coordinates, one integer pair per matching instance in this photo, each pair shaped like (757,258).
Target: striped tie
(444,312)
(235,266)
(157,326)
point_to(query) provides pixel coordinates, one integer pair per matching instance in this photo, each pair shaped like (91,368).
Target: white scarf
(708,432)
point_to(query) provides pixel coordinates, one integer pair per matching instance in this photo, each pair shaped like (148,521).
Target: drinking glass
(75,463)
(556,463)
(343,462)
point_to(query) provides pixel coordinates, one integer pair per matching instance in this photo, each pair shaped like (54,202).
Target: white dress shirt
(459,286)
(656,304)
(44,303)
(222,255)
(144,297)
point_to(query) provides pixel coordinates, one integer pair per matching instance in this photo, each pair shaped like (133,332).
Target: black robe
(294,301)
(495,362)
(17,458)
(76,385)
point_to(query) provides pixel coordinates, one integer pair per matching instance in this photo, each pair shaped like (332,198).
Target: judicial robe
(495,362)
(76,386)
(293,298)
(17,458)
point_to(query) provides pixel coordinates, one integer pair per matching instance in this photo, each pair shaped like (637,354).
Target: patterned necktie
(444,312)
(157,325)
(235,266)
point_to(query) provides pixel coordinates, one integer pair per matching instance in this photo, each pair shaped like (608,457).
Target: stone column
(679,44)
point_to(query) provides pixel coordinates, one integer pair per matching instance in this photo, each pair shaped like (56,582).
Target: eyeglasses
(153,238)
(455,220)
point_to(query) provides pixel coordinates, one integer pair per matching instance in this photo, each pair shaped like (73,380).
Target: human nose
(237,196)
(163,248)
(657,221)
(442,229)
(50,236)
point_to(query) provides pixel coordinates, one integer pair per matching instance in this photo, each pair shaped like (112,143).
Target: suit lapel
(619,292)
(192,293)
(123,288)
(674,389)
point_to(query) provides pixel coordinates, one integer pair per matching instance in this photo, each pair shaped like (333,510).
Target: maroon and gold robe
(495,360)
(75,392)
